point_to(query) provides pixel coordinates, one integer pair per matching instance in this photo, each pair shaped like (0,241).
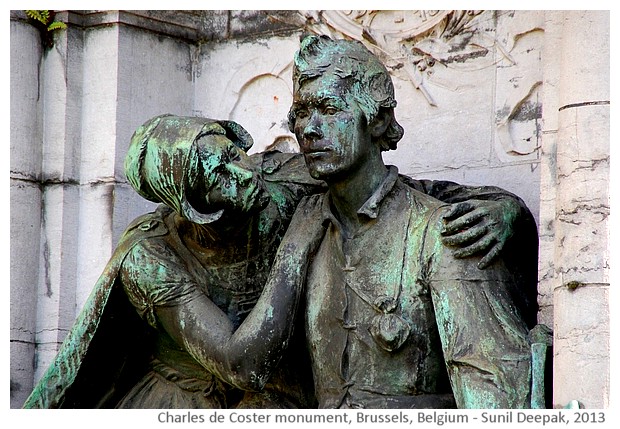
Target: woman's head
(196,166)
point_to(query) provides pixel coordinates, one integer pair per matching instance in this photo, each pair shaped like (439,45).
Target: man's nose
(312,130)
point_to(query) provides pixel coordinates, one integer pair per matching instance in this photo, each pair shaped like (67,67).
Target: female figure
(194,270)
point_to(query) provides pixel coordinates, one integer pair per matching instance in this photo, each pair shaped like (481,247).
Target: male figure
(393,319)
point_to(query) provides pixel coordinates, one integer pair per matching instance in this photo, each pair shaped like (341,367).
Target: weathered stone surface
(22,370)
(25,54)
(25,204)
(190,25)
(581,345)
(586,36)
(255,90)
(249,23)
(581,202)
(155,76)
(25,200)
(517,178)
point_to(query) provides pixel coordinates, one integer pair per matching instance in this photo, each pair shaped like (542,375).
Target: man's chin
(320,172)
(326,174)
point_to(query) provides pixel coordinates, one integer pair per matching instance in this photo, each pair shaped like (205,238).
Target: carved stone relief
(414,43)
(258,95)
(437,51)
(519,78)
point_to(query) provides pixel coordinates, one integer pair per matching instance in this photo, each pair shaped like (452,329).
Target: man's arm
(482,220)
(484,337)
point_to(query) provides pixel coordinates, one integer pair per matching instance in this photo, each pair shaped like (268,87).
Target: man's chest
(370,283)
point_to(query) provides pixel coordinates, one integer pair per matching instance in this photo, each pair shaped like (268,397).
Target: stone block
(583,256)
(148,65)
(583,140)
(100,92)
(25,233)
(22,363)
(25,135)
(581,346)
(546,279)
(552,68)
(94,237)
(589,65)
(61,88)
(58,263)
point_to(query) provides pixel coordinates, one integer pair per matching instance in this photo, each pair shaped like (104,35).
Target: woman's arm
(243,357)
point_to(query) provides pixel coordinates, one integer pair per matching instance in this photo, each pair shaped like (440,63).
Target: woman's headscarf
(163,160)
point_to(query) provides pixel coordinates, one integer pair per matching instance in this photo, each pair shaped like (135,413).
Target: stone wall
(485,97)
(26,204)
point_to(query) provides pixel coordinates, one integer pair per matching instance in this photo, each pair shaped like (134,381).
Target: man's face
(331,128)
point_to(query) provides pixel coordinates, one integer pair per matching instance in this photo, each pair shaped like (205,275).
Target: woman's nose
(242,174)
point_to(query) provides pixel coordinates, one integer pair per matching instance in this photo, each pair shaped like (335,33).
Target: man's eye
(301,113)
(330,110)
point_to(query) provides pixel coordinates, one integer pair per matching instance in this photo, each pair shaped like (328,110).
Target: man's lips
(317,154)
(316,149)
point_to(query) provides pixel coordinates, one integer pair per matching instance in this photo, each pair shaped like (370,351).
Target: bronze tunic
(385,318)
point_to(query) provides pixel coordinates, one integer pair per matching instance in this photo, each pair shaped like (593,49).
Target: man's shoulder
(415,198)
(424,217)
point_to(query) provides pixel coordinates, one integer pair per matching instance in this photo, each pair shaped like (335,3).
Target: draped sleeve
(154,275)
(483,335)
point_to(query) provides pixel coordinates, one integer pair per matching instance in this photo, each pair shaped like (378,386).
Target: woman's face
(230,180)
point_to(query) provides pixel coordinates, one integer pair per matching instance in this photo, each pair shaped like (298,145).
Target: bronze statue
(186,314)
(179,318)
(393,318)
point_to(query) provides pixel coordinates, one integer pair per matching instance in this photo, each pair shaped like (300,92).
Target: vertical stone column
(25,200)
(73,110)
(581,258)
(61,94)
(98,141)
(551,57)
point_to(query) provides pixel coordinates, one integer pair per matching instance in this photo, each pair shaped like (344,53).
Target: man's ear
(381,122)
